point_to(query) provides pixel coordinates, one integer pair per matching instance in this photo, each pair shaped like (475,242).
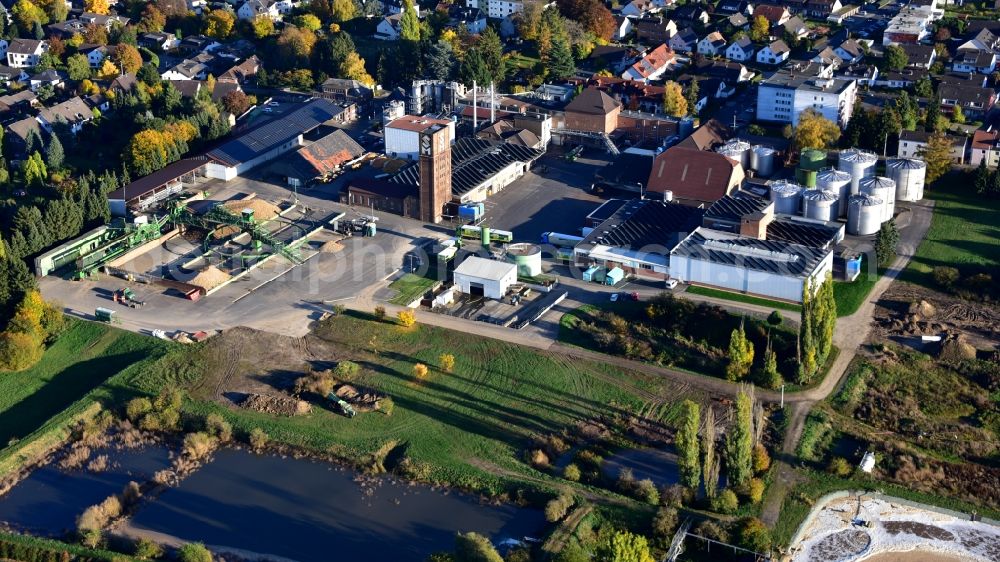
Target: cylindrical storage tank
(859,164)
(731,152)
(884,189)
(864,214)
(762,160)
(787,197)
(742,148)
(909,175)
(485,231)
(838,182)
(806,177)
(527,258)
(812,159)
(820,204)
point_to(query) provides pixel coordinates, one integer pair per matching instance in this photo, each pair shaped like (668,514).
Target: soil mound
(209,278)
(275,405)
(331,246)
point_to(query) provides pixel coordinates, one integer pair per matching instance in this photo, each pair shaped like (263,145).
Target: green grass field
(740,297)
(851,295)
(410,287)
(964,233)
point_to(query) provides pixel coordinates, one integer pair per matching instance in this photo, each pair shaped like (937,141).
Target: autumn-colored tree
(353,67)
(673,100)
(57,47)
(420,371)
(343,10)
(219,23)
(308,22)
(88,88)
(624,546)
(126,58)
(236,102)
(760,29)
(740,355)
(152,19)
(406,318)
(262,26)
(172,7)
(295,44)
(96,34)
(409,23)
(815,131)
(447,361)
(937,155)
(102,7)
(108,70)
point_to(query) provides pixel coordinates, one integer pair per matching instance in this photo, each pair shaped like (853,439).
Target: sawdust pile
(331,246)
(262,210)
(275,405)
(210,278)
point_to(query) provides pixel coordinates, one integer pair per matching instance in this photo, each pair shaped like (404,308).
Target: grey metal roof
(640,224)
(769,256)
(473,161)
(276,132)
(733,207)
(805,233)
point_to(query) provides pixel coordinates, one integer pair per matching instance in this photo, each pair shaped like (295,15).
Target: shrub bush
(557,507)
(945,276)
(406,318)
(839,466)
(218,427)
(664,524)
(761,459)
(137,408)
(754,535)
(571,473)
(646,491)
(755,490)
(347,370)
(258,438)
(199,445)
(194,552)
(420,371)
(380,313)
(147,549)
(726,502)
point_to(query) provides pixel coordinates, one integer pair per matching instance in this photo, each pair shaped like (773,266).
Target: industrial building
(320,160)
(402,136)
(637,237)
(270,139)
(693,177)
(481,277)
(769,268)
(146,192)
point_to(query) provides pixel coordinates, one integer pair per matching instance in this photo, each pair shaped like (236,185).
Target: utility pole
(782,397)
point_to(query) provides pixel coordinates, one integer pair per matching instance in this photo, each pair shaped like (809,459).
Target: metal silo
(832,179)
(762,160)
(730,152)
(820,204)
(909,175)
(859,164)
(812,159)
(737,150)
(787,197)
(806,177)
(864,214)
(884,189)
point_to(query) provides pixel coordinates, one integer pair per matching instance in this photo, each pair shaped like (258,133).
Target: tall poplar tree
(687,445)
(739,442)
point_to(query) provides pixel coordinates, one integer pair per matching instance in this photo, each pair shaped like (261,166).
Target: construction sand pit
(262,210)
(896,533)
(209,278)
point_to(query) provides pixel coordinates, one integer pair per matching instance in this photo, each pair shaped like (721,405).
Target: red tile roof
(774,14)
(984,140)
(692,174)
(653,61)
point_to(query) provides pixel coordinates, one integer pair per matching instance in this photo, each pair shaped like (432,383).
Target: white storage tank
(909,175)
(864,214)
(787,197)
(740,151)
(527,258)
(884,189)
(832,179)
(820,204)
(762,160)
(859,164)
(731,152)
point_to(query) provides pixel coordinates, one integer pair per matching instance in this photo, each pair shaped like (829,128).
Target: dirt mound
(955,347)
(923,308)
(918,529)
(276,405)
(262,210)
(331,246)
(209,278)
(362,400)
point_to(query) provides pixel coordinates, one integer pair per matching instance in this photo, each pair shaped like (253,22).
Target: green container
(806,177)
(486,235)
(812,159)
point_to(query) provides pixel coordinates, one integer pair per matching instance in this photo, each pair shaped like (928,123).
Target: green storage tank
(806,177)
(486,235)
(812,159)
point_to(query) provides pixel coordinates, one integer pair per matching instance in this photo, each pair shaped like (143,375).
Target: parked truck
(127,297)
(343,407)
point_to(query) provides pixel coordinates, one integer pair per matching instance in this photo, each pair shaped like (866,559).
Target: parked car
(671,283)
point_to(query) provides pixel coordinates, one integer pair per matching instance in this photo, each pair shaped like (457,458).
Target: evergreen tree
(982,180)
(492,50)
(886,241)
(474,69)
(740,355)
(560,64)
(687,445)
(739,442)
(995,183)
(691,96)
(54,154)
(38,31)
(409,23)
(439,60)
(931,119)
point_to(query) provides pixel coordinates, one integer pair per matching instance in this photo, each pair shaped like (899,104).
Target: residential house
(158,41)
(654,30)
(775,15)
(795,27)
(389,28)
(775,53)
(4,44)
(691,15)
(713,44)
(732,72)
(53,78)
(919,56)
(973,100)
(253,8)
(982,40)
(21,101)
(472,20)
(982,62)
(962,79)
(730,7)
(740,50)
(74,112)
(905,78)
(985,146)
(187,70)
(8,75)
(498,9)
(864,74)
(738,21)
(614,58)
(24,53)
(198,44)
(708,89)
(390,7)
(828,57)
(123,84)
(784,95)
(639,8)
(241,72)
(623,26)
(850,51)
(95,54)
(911,25)
(68,28)
(188,88)
(822,9)
(913,143)
(684,41)
(651,66)
(18,134)
(631,94)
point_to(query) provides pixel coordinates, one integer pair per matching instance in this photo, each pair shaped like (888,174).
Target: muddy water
(914,556)
(49,499)
(305,510)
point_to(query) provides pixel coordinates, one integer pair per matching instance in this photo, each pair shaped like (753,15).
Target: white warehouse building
(768,268)
(784,95)
(481,277)
(402,135)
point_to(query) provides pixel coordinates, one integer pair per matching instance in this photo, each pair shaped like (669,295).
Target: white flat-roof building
(402,135)
(910,26)
(784,95)
(481,277)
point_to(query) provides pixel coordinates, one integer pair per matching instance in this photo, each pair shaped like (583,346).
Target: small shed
(867,462)
(483,277)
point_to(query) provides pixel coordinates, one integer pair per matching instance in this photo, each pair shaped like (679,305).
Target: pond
(49,499)
(658,465)
(306,510)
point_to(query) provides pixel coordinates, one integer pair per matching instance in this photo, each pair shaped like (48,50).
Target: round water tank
(838,182)
(731,152)
(909,175)
(820,204)
(864,214)
(812,159)
(527,258)
(762,160)
(859,164)
(884,189)
(806,177)
(787,197)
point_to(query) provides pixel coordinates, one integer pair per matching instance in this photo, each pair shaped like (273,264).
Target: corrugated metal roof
(769,256)
(475,266)
(473,161)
